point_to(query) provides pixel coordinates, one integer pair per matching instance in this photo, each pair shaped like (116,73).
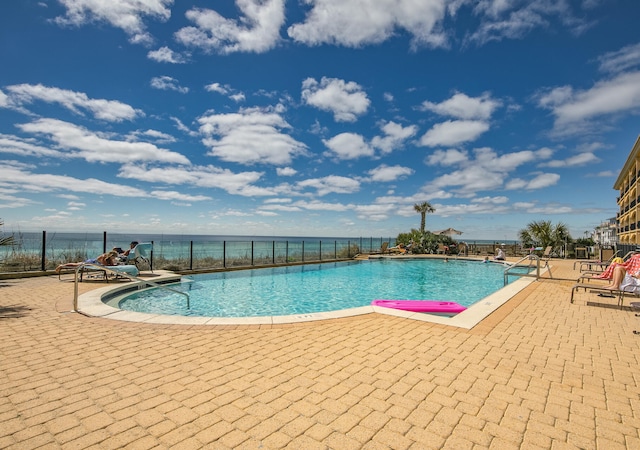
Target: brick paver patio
(539,373)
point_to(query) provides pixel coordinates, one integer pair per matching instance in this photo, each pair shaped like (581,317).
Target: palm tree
(543,234)
(423,208)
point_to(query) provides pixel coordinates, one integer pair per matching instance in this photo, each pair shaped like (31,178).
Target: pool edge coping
(92,304)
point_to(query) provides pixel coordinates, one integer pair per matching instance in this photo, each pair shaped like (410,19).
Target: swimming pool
(322,287)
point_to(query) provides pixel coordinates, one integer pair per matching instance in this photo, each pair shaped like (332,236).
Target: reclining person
(630,265)
(623,280)
(106,259)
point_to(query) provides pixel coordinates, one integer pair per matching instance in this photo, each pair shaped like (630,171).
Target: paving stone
(540,372)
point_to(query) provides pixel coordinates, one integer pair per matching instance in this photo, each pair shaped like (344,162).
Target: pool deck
(538,373)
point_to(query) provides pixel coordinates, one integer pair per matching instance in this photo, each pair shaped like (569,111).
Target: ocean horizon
(52,248)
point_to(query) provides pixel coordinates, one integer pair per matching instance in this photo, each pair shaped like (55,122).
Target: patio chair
(604,292)
(546,256)
(95,272)
(141,254)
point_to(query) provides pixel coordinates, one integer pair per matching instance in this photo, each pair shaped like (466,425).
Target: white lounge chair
(140,254)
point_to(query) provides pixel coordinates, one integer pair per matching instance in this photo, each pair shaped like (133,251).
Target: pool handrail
(529,257)
(106,269)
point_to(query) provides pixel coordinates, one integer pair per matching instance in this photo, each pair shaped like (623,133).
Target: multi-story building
(628,217)
(606,234)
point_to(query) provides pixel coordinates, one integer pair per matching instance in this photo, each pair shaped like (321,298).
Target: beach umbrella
(449,232)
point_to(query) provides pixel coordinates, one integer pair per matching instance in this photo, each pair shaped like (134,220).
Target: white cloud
(348,146)
(152,135)
(453,132)
(346,100)
(251,136)
(166,55)
(461,106)
(575,111)
(498,200)
(386,173)
(580,159)
(27,181)
(365,22)
(173,195)
(109,110)
(124,14)
(486,172)
(79,142)
(26,147)
(543,180)
(620,60)
(226,90)
(200,176)
(447,157)
(316,205)
(540,181)
(166,83)
(504,19)
(394,136)
(286,171)
(217,87)
(331,184)
(4,100)
(257,30)
(377,212)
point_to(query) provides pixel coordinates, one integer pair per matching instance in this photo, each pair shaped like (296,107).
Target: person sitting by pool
(400,248)
(631,265)
(131,247)
(624,280)
(106,259)
(500,256)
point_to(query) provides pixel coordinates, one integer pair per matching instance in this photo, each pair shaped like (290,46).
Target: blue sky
(315,117)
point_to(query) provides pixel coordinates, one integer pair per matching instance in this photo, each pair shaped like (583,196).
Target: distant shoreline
(73,236)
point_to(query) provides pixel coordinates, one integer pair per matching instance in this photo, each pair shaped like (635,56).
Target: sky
(321,118)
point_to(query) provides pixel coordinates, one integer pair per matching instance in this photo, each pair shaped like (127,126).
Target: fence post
(104,242)
(302,251)
(273,252)
(224,254)
(320,250)
(190,255)
(43,256)
(252,253)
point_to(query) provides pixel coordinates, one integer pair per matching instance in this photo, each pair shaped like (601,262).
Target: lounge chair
(398,249)
(104,274)
(590,264)
(141,254)
(588,267)
(384,247)
(546,256)
(604,292)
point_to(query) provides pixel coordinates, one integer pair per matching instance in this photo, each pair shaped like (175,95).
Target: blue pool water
(321,287)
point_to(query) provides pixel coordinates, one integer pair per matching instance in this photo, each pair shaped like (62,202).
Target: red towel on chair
(632,265)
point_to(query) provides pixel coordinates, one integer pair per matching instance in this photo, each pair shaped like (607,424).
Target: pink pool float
(423,306)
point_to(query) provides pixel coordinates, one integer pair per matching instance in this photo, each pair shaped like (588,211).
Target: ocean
(181,251)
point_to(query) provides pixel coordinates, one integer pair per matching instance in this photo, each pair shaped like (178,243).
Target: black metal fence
(43,252)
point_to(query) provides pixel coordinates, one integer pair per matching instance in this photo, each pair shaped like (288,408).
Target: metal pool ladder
(531,258)
(115,272)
